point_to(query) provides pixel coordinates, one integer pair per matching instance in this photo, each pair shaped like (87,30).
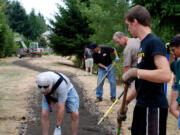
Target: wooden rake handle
(122,108)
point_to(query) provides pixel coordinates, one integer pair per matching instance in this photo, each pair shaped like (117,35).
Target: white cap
(44,83)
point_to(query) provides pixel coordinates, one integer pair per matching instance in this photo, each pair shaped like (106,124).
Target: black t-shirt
(103,56)
(150,94)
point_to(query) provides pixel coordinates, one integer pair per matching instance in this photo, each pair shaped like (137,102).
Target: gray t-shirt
(88,54)
(62,91)
(130,52)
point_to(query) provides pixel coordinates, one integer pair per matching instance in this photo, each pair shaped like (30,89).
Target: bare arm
(172,58)
(125,69)
(159,75)
(115,52)
(101,65)
(131,95)
(61,108)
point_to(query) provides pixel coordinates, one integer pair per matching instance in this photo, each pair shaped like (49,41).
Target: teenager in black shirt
(150,113)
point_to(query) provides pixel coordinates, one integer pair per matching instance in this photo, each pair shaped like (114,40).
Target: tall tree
(42,42)
(37,25)
(106,17)
(163,13)
(70,30)
(16,16)
(7,46)
(31,26)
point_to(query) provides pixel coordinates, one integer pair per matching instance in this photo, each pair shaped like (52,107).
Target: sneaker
(113,99)
(98,100)
(90,73)
(86,73)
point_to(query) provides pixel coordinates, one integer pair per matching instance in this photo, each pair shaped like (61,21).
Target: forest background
(81,22)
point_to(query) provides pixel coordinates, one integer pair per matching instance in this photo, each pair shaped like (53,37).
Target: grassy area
(15,82)
(3,63)
(7,74)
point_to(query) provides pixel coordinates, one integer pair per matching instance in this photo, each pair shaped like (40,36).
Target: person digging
(58,93)
(102,57)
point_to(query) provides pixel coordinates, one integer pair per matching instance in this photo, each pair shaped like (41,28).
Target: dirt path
(20,101)
(88,120)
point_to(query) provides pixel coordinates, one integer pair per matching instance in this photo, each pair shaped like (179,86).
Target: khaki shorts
(89,63)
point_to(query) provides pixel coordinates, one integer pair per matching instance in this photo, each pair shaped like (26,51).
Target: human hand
(57,131)
(52,105)
(122,116)
(106,68)
(117,59)
(171,58)
(131,73)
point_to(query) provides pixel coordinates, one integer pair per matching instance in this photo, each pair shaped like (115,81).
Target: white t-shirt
(62,91)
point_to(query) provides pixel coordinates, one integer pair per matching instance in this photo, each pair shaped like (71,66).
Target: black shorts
(149,121)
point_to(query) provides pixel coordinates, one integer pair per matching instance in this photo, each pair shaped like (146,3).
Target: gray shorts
(89,63)
(72,102)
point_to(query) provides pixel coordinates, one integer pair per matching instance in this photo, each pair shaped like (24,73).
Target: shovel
(104,77)
(110,108)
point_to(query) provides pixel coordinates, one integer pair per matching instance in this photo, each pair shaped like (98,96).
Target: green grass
(9,76)
(2,63)
(46,53)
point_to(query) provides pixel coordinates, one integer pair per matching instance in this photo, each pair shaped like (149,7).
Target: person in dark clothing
(101,56)
(175,66)
(151,109)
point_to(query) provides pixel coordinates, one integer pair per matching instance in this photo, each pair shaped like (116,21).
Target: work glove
(106,68)
(117,59)
(120,116)
(131,73)
(57,131)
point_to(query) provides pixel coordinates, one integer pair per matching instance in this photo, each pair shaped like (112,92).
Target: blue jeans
(111,78)
(72,102)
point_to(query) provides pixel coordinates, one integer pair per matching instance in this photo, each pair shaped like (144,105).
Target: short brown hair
(175,41)
(139,13)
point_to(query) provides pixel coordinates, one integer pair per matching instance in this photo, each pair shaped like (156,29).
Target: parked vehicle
(33,49)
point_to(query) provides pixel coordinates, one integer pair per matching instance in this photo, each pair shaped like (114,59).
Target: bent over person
(58,92)
(151,109)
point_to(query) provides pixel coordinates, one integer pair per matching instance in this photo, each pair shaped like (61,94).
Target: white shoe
(90,73)
(86,73)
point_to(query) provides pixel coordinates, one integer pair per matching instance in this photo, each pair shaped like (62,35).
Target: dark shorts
(149,121)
